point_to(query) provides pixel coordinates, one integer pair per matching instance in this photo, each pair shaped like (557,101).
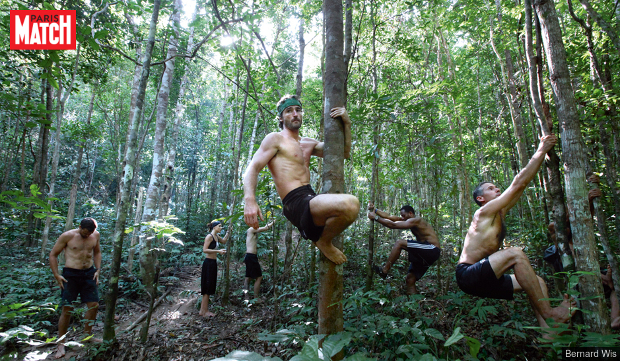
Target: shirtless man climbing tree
(79,276)
(252,267)
(319,218)
(423,251)
(482,267)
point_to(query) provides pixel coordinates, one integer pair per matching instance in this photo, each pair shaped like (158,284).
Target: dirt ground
(176,332)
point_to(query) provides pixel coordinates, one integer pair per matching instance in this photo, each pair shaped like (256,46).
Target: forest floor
(177,332)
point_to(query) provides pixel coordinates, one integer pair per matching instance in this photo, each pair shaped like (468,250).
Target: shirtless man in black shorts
(252,267)
(482,266)
(423,251)
(319,218)
(79,276)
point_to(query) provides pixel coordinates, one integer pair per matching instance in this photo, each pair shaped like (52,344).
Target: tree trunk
(178,115)
(330,275)
(554,186)
(135,235)
(78,171)
(585,250)
(235,174)
(375,147)
(126,200)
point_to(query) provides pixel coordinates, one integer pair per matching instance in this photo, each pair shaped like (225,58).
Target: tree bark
(78,171)
(554,186)
(330,275)
(126,199)
(136,230)
(585,250)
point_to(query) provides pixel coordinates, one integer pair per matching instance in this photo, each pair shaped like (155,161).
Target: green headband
(287,103)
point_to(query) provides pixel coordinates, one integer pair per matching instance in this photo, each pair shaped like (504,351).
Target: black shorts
(208,279)
(422,258)
(79,282)
(297,210)
(479,280)
(252,267)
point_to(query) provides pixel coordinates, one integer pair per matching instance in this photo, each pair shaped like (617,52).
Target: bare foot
(332,253)
(209,314)
(565,310)
(615,324)
(60,351)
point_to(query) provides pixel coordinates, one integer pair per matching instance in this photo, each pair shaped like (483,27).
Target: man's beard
(291,126)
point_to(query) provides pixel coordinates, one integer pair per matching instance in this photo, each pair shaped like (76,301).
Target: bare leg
(257,287)
(63,326)
(204,307)
(90,317)
(246,291)
(526,280)
(336,212)
(394,254)
(410,281)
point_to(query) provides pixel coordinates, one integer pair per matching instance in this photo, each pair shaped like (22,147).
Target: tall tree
(330,274)
(128,172)
(585,250)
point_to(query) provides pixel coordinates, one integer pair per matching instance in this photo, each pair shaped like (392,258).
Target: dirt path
(176,331)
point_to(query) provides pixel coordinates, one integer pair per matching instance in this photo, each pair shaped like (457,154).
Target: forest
(151,125)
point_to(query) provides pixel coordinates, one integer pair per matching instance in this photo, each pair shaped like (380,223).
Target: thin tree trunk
(148,255)
(330,274)
(125,200)
(172,147)
(375,148)
(554,185)
(136,230)
(78,171)
(235,174)
(585,250)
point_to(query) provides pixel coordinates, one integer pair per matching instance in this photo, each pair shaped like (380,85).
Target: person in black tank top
(208,279)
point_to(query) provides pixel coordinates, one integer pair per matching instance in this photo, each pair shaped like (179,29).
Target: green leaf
(474,346)
(434,333)
(456,337)
(101,34)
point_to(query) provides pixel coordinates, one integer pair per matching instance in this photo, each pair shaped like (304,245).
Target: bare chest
(80,245)
(297,152)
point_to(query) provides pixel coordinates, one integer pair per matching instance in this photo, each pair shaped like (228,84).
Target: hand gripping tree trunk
(585,250)
(126,200)
(330,275)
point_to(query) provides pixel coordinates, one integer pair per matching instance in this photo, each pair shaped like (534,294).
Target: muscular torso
(79,251)
(290,166)
(484,237)
(423,232)
(250,241)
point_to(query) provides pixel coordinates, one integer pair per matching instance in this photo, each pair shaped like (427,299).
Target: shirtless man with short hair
(79,276)
(482,266)
(423,251)
(252,267)
(319,218)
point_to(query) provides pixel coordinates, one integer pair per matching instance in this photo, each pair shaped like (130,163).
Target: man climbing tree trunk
(585,248)
(330,274)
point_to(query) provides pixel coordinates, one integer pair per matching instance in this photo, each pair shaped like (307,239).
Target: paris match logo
(43,30)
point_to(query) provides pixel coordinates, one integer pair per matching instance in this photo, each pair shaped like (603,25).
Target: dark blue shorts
(480,280)
(79,282)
